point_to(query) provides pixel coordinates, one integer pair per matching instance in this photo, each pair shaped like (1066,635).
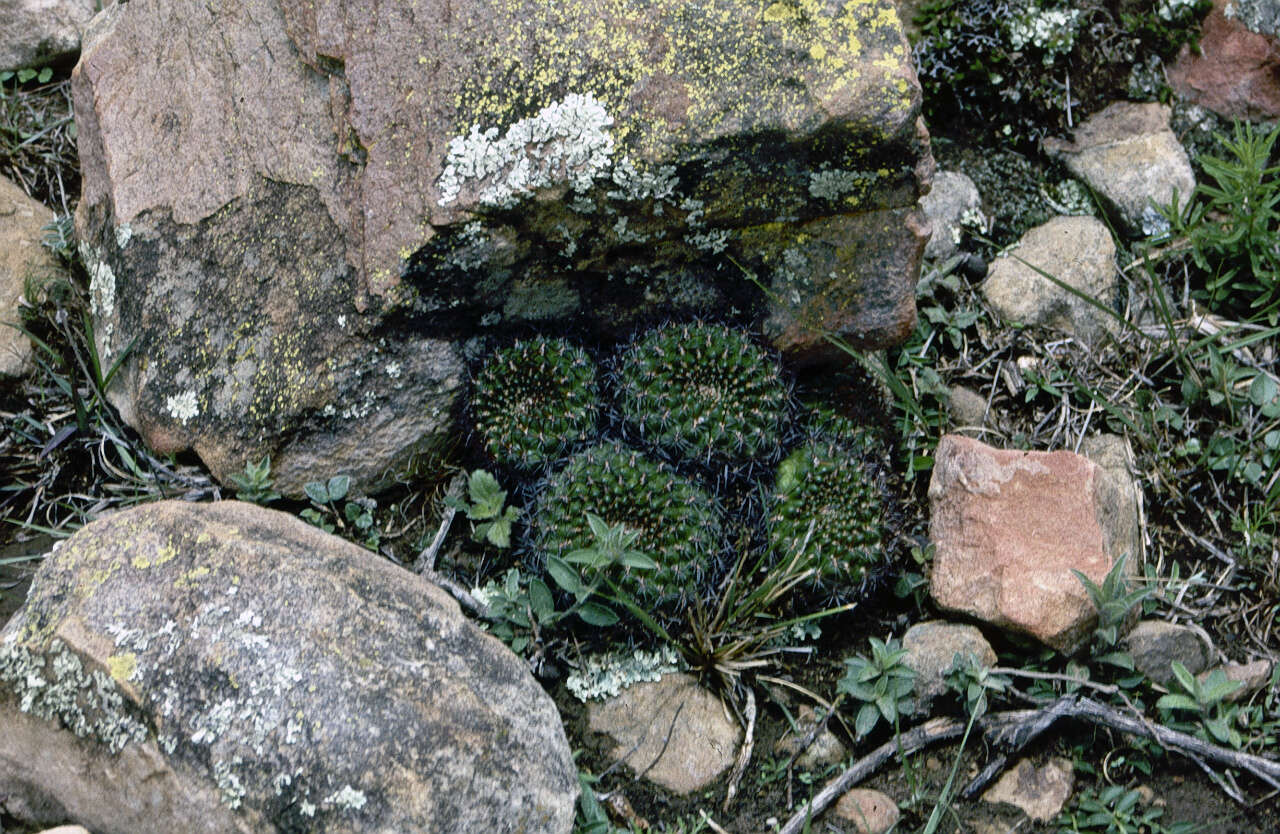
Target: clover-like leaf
(487,497)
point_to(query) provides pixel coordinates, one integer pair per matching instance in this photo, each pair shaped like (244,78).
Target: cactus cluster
(826,484)
(679,523)
(535,401)
(702,391)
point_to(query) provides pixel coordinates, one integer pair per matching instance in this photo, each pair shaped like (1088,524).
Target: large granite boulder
(226,668)
(1129,156)
(299,213)
(38,32)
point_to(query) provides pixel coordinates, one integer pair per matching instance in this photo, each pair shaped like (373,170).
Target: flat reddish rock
(1235,74)
(1009,527)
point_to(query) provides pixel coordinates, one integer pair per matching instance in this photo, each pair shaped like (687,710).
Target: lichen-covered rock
(1128,155)
(226,668)
(951,203)
(334,191)
(1039,791)
(34,33)
(1155,645)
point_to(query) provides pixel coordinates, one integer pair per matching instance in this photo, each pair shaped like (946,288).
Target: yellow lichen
(123,666)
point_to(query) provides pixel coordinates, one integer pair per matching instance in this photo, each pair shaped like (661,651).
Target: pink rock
(1236,74)
(1008,529)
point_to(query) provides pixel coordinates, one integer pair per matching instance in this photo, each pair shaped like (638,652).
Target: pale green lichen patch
(606,675)
(55,685)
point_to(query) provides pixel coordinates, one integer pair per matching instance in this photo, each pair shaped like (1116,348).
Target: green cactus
(702,391)
(535,401)
(679,524)
(829,485)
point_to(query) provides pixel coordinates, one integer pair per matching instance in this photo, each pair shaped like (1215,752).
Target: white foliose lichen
(348,798)
(229,784)
(1052,30)
(713,241)
(566,142)
(834,183)
(102,292)
(124,233)
(182,407)
(605,675)
(56,687)
(634,184)
(1069,197)
(1261,16)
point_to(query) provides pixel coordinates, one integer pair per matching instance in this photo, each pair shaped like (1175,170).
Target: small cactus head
(827,485)
(702,391)
(535,401)
(679,524)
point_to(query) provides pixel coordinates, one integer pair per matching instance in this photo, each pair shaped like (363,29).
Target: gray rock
(865,811)
(931,651)
(1129,156)
(34,33)
(227,668)
(1039,791)
(1119,495)
(673,731)
(826,747)
(1077,251)
(952,195)
(22,259)
(966,407)
(300,228)
(1156,644)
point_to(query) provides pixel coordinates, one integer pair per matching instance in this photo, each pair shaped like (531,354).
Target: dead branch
(1014,729)
(744,752)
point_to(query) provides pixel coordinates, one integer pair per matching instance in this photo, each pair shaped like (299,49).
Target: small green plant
(535,401)
(1207,701)
(591,818)
(1113,599)
(255,484)
(883,683)
(1231,226)
(491,520)
(830,483)
(1117,810)
(522,608)
(355,520)
(26,74)
(673,519)
(702,391)
(975,682)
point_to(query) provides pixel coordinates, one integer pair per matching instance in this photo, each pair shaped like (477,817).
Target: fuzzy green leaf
(868,716)
(487,497)
(540,599)
(316,491)
(593,613)
(338,486)
(564,576)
